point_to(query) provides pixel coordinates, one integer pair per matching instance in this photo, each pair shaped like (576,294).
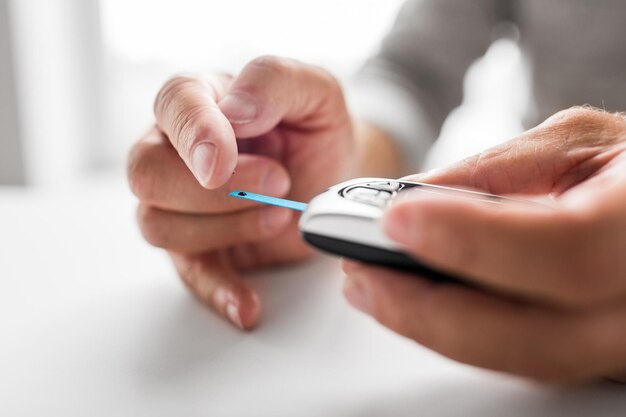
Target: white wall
(11,167)
(148,40)
(58,63)
(87,70)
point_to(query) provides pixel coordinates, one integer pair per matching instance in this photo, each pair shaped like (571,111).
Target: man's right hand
(279,128)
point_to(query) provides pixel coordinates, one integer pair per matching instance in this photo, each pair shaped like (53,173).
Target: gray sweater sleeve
(416,79)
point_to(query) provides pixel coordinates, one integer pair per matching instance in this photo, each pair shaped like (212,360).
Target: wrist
(376,153)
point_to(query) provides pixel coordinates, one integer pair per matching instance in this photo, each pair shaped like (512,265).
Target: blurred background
(78,77)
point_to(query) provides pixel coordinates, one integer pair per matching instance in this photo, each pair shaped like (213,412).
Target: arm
(416,79)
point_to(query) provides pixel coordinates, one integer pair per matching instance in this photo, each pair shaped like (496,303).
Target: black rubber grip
(377,256)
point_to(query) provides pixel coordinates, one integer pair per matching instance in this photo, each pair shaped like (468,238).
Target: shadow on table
(507,399)
(185,336)
(179,335)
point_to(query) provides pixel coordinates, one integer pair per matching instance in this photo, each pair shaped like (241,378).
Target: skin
(281,128)
(550,284)
(549,294)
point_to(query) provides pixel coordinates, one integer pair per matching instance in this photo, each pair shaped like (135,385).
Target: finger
(273,90)
(483,330)
(252,256)
(186,111)
(159,177)
(192,233)
(516,167)
(559,153)
(217,284)
(546,254)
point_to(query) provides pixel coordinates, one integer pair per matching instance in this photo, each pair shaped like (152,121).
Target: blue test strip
(265,199)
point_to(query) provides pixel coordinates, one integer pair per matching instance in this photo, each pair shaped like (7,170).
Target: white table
(94,322)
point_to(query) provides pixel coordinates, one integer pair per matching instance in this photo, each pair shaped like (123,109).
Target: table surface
(94,322)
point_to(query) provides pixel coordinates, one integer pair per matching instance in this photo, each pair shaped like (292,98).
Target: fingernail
(275,183)
(239,108)
(233,314)
(274,218)
(203,158)
(357,294)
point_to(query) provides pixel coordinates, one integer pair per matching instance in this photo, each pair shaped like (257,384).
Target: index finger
(556,155)
(186,111)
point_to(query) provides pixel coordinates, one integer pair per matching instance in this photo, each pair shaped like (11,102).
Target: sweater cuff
(384,101)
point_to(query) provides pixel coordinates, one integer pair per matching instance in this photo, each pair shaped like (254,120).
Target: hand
(279,128)
(553,299)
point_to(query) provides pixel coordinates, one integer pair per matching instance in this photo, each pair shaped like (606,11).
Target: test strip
(265,199)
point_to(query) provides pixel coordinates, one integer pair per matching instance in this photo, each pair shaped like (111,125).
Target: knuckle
(274,64)
(579,125)
(180,105)
(151,226)
(169,91)
(187,126)
(285,67)
(139,171)
(579,115)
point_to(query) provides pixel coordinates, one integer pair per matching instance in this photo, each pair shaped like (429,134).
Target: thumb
(186,111)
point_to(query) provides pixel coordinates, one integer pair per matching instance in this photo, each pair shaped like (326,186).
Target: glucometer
(344,220)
